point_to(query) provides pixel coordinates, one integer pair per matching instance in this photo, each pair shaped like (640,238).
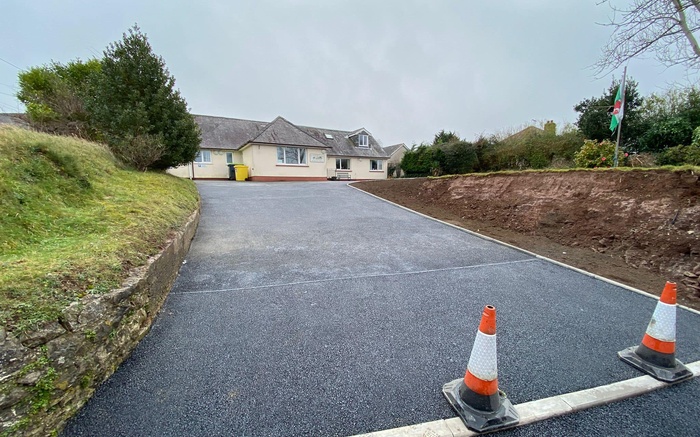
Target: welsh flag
(618,110)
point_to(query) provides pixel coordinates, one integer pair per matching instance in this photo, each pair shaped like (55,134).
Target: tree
(666,28)
(444,137)
(485,153)
(594,115)
(671,118)
(55,95)
(459,158)
(681,154)
(422,160)
(135,105)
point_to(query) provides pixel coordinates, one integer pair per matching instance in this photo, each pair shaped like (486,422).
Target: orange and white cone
(657,353)
(476,397)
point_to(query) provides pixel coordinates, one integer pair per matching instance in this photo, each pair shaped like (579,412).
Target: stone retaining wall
(46,375)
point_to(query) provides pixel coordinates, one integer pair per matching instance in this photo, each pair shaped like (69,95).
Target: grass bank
(74,222)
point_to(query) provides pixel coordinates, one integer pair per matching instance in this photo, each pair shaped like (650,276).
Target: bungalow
(395,153)
(282,151)
(550,128)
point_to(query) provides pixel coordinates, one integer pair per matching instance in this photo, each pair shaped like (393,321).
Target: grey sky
(402,69)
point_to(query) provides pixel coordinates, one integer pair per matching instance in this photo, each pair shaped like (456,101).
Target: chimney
(550,128)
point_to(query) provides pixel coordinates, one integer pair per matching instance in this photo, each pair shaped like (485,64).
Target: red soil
(640,228)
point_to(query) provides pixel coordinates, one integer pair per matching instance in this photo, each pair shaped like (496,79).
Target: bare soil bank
(640,228)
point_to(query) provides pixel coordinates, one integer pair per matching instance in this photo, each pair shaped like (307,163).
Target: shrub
(55,96)
(459,158)
(140,151)
(594,155)
(666,133)
(419,161)
(537,150)
(680,155)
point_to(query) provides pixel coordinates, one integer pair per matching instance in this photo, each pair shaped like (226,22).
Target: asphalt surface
(673,411)
(315,309)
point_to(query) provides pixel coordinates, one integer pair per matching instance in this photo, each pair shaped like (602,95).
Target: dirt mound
(637,227)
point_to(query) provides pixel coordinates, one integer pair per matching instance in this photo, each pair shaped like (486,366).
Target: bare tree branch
(696,3)
(666,29)
(684,25)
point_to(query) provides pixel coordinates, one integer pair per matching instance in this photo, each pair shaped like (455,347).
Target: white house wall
(359,168)
(262,162)
(183,171)
(216,169)
(396,158)
(262,165)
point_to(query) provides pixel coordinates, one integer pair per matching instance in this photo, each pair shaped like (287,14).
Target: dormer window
(363,140)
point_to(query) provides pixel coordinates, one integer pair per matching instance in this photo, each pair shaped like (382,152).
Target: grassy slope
(74,222)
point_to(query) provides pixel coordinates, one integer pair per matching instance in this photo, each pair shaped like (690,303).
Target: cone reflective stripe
(657,353)
(482,369)
(661,332)
(476,397)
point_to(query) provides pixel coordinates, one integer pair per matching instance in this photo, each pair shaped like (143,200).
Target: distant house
(531,131)
(395,153)
(282,151)
(14,119)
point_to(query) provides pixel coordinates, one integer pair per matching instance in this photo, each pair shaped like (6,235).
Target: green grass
(74,222)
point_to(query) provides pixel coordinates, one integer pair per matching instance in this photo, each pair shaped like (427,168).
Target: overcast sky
(402,69)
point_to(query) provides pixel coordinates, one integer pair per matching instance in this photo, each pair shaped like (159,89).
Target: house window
(363,140)
(342,163)
(203,157)
(291,155)
(229,157)
(375,165)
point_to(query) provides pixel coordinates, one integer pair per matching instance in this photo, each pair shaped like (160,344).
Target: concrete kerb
(544,258)
(542,409)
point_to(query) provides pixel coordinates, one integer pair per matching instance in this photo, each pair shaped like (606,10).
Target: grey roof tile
(227,133)
(524,134)
(232,134)
(341,145)
(14,119)
(391,149)
(280,131)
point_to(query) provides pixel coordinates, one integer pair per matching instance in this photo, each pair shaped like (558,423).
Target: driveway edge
(544,258)
(542,409)
(48,374)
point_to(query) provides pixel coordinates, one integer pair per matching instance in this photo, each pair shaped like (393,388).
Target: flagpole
(619,125)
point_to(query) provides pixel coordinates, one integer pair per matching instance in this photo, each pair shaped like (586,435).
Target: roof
(341,145)
(13,119)
(524,134)
(280,131)
(227,133)
(233,134)
(390,150)
(358,132)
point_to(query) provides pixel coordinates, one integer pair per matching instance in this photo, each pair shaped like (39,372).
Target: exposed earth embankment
(639,227)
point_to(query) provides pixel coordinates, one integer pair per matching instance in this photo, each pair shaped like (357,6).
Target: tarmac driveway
(315,309)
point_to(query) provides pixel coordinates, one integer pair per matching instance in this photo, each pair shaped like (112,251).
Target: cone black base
(666,374)
(504,416)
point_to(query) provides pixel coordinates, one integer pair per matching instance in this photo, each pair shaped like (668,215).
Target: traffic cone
(476,397)
(657,353)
